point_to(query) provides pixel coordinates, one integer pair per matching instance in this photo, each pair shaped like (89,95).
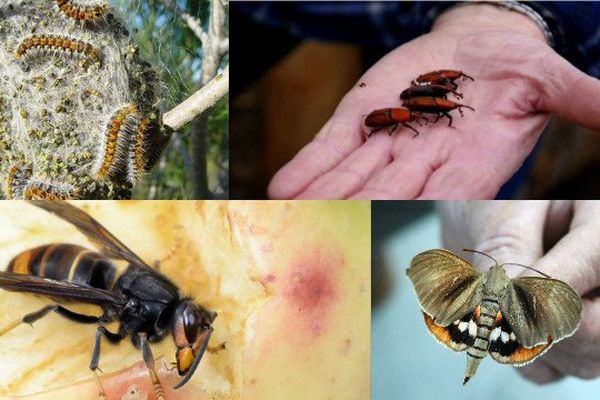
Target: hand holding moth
(512,96)
(558,238)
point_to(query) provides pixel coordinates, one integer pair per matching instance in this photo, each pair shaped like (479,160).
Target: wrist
(477,16)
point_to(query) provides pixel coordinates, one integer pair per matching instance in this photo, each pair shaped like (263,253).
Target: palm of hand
(471,159)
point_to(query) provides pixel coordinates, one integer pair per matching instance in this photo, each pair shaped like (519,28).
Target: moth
(514,320)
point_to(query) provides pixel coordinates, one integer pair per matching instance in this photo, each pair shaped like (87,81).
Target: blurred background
(407,362)
(291,86)
(195,163)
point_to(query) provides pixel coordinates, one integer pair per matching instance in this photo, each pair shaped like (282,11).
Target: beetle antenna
(531,268)
(483,254)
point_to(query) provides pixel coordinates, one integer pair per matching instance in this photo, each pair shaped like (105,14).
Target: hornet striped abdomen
(66,262)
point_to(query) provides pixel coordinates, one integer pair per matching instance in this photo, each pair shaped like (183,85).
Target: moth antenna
(531,268)
(483,254)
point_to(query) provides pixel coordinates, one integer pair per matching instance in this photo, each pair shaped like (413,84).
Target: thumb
(569,93)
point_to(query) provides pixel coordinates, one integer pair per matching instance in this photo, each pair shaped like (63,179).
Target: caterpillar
(16,180)
(137,161)
(71,9)
(37,190)
(56,43)
(149,143)
(113,153)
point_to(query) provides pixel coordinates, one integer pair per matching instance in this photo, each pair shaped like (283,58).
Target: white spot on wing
(513,337)
(472,328)
(504,337)
(495,334)
(462,326)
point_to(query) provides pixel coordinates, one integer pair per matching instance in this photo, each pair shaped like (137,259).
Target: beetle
(435,105)
(145,303)
(443,76)
(392,117)
(432,90)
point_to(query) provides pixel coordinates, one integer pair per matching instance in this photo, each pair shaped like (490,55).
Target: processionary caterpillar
(74,10)
(37,190)
(16,179)
(113,154)
(61,44)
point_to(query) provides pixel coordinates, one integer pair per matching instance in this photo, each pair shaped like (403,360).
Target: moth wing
(505,348)
(540,310)
(458,336)
(447,286)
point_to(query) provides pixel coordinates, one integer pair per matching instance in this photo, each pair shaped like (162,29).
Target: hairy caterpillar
(82,12)
(146,147)
(59,44)
(16,180)
(37,190)
(113,153)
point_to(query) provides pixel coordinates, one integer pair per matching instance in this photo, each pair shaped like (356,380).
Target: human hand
(557,238)
(519,82)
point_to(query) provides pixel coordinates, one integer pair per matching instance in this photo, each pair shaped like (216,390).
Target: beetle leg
(149,360)
(410,127)
(456,94)
(465,106)
(419,116)
(445,114)
(392,129)
(36,315)
(374,130)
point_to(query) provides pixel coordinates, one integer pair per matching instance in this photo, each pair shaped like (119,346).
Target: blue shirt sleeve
(574,25)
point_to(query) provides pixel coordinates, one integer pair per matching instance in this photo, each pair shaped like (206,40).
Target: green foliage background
(167,43)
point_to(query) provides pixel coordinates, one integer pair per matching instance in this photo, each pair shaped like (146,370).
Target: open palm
(519,82)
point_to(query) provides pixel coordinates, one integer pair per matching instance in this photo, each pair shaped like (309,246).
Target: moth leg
(112,338)
(149,360)
(41,313)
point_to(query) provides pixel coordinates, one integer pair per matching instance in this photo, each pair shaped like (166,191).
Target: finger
(403,178)
(461,179)
(559,218)
(540,372)
(508,231)
(351,173)
(575,258)
(569,93)
(579,355)
(336,140)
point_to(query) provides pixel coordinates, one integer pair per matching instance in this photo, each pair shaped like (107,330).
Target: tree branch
(224,46)
(199,102)
(192,22)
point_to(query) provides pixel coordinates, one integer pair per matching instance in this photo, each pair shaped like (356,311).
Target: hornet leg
(149,360)
(113,338)
(36,315)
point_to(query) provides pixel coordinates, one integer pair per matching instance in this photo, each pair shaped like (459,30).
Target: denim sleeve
(574,25)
